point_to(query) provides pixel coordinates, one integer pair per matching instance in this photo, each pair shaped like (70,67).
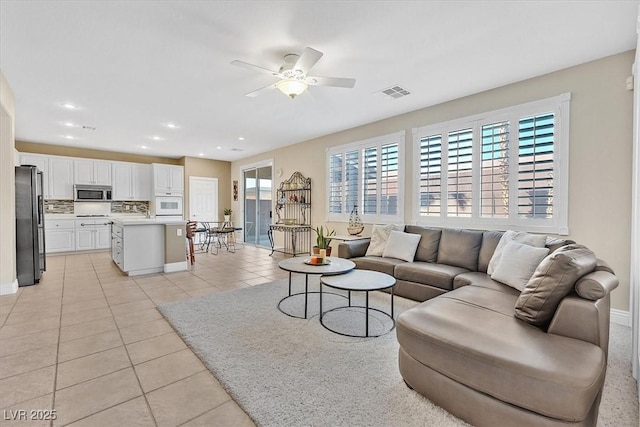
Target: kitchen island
(145,246)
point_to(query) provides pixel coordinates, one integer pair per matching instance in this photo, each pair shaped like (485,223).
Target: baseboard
(175,266)
(621,317)
(9,288)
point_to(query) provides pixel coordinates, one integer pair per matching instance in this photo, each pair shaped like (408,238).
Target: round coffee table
(297,265)
(359,281)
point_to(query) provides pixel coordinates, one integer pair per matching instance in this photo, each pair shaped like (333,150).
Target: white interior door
(203,199)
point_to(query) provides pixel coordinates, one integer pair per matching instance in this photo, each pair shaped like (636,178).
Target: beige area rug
(285,371)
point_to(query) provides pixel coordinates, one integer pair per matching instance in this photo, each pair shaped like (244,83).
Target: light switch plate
(179,232)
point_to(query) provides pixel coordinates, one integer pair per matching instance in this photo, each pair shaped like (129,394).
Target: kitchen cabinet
(131,181)
(60,178)
(141,181)
(59,235)
(92,234)
(42,162)
(138,248)
(57,174)
(92,172)
(168,178)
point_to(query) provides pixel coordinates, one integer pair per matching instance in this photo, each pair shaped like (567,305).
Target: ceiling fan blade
(307,60)
(261,90)
(331,81)
(255,68)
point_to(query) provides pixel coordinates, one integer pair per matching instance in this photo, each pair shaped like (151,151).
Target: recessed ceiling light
(69,106)
(69,124)
(144,147)
(171,125)
(201,154)
(157,138)
(69,137)
(219,148)
(241,138)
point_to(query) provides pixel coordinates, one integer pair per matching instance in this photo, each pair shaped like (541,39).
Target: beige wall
(206,168)
(600,135)
(86,153)
(7,189)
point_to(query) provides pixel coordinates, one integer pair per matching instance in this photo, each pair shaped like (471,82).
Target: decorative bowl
(354,231)
(289,221)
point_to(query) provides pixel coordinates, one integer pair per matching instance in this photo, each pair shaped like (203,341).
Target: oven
(168,206)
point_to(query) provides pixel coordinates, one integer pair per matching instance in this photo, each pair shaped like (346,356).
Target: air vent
(394,92)
(88,127)
(236,149)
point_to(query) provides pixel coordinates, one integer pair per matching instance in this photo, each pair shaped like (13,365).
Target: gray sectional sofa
(491,354)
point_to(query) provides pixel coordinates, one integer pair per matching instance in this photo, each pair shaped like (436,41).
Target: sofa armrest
(583,319)
(353,248)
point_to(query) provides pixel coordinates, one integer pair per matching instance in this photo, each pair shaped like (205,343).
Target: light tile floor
(89,343)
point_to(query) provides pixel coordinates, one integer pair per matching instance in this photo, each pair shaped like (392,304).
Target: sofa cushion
(427,273)
(401,246)
(475,278)
(379,237)
(429,242)
(490,240)
(517,264)
(376,263)
(460,248)
(471,336)
(554,278)
(537,240)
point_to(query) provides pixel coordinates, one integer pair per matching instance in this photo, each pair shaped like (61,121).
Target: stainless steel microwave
(91,193)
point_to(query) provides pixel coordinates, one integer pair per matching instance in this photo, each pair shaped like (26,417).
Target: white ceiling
(132,66)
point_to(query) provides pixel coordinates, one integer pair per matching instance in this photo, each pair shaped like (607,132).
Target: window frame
(377,143)
(558,224)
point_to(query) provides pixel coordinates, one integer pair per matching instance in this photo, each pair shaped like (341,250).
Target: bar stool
(191,230)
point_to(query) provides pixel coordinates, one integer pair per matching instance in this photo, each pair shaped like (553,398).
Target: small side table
(359,281)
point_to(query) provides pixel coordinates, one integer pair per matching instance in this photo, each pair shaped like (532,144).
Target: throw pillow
(517,264)
(379,236)
(537,240)
(554,278)
(401,246)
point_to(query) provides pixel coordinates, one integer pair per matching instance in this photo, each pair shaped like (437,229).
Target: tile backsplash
(130,207)
(58,206)
(66,207)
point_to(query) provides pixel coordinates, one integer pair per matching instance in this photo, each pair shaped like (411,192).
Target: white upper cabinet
(168,178)
(57,174)
(60,178)
(92,172)
(122,181)
(141,181)
(131,181)
(42,162)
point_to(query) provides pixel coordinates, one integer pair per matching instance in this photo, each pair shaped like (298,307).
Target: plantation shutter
(370,180)
(389,179)
(460,162)
(351,180)
(494,178)
(535,166)
(430,175)
(335,183)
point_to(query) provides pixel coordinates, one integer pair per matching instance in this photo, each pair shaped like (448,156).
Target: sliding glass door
(257,204)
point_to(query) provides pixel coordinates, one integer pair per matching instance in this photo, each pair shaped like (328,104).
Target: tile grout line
(55,374)
(144,395)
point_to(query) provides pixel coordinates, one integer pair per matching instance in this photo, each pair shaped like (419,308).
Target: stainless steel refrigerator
(30,249)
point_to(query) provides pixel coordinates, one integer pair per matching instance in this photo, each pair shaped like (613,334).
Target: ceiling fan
(293,74)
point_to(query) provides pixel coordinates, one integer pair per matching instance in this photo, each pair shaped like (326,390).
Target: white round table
(297,265)
(359,281)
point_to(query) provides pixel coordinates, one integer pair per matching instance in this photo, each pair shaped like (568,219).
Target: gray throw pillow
(554,278)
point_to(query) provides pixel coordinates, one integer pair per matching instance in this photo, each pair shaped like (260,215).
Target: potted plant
(323,240)
(227,214)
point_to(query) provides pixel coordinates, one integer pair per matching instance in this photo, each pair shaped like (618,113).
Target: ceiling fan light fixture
(291,87)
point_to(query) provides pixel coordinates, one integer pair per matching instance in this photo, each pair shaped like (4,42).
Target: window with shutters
(497,170)
(367,175)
